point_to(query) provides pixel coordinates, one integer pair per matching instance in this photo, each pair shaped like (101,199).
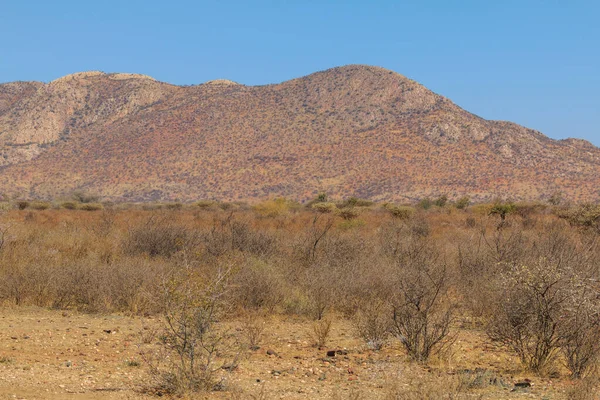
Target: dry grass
(304,264)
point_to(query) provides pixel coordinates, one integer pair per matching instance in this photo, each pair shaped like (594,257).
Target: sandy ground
(47,354)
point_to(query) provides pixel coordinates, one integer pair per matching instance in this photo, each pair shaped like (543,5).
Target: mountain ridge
(351,130)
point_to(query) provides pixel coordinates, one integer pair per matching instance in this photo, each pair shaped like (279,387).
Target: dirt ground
(47,354)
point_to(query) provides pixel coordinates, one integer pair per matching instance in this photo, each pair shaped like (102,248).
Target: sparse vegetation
(403,278)
(321,330)
(91,206)
(84,197)
(400,212)
(463,202)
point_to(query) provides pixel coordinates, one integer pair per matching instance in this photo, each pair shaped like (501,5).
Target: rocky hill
(349,131)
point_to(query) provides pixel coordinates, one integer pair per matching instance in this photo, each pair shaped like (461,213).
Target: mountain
(349,131)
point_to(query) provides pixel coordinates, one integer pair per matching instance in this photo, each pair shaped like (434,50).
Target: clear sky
(534,62)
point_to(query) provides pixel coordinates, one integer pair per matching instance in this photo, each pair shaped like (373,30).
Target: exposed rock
(353,130)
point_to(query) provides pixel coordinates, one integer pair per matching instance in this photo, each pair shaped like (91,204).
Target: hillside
(349,131)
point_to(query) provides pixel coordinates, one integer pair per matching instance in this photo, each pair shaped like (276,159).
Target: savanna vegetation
(421,279)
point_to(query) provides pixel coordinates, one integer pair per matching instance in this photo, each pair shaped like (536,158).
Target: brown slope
(352,130)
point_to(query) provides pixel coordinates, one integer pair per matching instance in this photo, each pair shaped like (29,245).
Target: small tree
(321,198)
(348,213)
(526,318)
(421,312)
(189,343)
(400,212)
(425,203)
(463,202)
(586,216)
(372,323)
(441,201)
(324,208)
(502,210)
(580,328)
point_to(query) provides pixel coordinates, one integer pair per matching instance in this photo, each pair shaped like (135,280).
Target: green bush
(441,201)
(321,197)
(348,213)
(324,208)
(206,204)
(351,224)
(355,202)
(22,204)
(587,215)
(174,206)
(425,203)
(40,205)
(401,212)
(463,202)
(68,205)
(91,207)
(273,208)
(502,209)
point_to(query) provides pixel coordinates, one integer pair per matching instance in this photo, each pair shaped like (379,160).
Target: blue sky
(533,62)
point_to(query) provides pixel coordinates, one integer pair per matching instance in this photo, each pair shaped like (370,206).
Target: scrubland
(348,300)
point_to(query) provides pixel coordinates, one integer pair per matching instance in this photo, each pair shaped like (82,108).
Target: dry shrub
(585,389)
(400,238)
(206,204)
(348,213)
(121,287)
(579,324)
(586,215)
(187,357)
(329,279)
(580,338)
(227,235)
(373,323)
(105,225)
(480,256)
(308,248)
(547,303)
(306,262)
(91,207)
(400,212)
(324,208)
(504,245)
(159,236)
(320,332)
(174,206)
(40,205)
(246,240)
(319,291)
(470,222)
(525,319)
(273,208)
(257,284)
(253,327)
(70,266)
(68,205)
(421,314)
